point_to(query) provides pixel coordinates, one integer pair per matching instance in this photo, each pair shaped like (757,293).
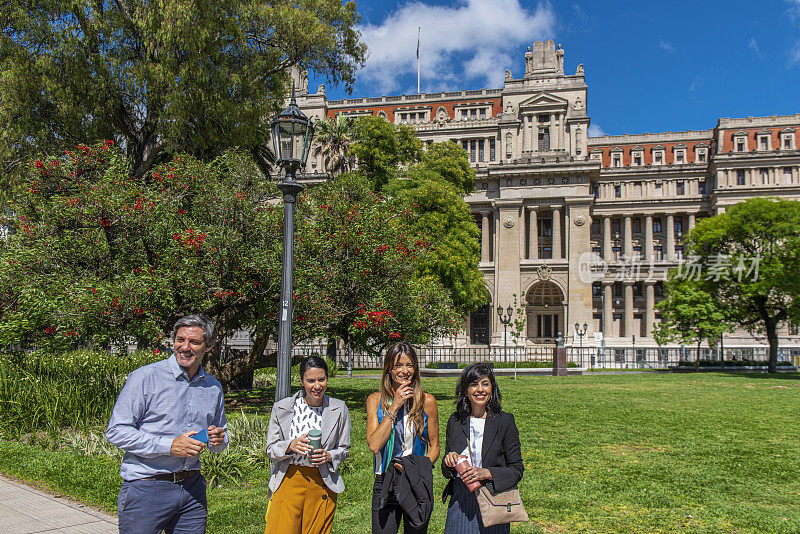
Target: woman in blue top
(401,420)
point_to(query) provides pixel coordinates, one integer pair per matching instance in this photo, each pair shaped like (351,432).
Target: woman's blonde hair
(393,353)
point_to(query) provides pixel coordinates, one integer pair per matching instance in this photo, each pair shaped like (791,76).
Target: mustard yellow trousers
(303,504)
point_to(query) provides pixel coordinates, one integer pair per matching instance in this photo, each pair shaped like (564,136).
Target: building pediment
(544,101)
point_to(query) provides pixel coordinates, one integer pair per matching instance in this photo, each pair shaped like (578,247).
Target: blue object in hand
(201,436)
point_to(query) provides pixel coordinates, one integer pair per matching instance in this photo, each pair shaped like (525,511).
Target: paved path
(24,510)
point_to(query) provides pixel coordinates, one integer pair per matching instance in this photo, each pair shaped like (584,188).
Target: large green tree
(193,77)
(689,314)
(101,258)
(749,259)
(383,150)
(434,189)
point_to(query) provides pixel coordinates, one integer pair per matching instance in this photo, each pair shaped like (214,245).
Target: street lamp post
(581,333)
(506,320)
(291,132)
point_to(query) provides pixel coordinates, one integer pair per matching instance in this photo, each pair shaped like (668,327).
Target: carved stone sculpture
(528,61)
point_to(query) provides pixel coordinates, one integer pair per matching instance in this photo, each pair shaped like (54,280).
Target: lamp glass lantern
(292,132)
(500,311)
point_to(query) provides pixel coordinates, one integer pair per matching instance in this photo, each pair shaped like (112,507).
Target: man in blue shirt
(160,408)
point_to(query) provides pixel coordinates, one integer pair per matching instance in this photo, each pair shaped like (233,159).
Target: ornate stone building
(583,228)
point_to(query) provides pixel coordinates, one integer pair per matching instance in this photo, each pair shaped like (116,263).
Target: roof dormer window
(763,138)
(740,142)
(658,155)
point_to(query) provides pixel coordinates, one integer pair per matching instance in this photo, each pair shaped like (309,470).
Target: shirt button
(324,497)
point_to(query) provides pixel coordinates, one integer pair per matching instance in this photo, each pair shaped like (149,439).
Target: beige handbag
(503,507)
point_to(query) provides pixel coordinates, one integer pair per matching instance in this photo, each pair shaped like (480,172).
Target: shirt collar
(178,371)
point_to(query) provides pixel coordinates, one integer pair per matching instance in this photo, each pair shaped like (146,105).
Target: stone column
(691,221)
(608,308)
(507,258)
(524,136)
(670,237)
(649,308)
(628,237)
(628,308)
(607,238)
(557,233)
(521,224)
(485,238)
(533,235)
(578,238)
(648,237)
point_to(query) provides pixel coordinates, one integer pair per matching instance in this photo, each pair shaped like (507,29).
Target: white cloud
(596,131)
(794,56)
(753,45)
(472,39)
(666,46)
(794,10)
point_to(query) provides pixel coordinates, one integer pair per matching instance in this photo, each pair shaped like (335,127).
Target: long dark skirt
(464,516)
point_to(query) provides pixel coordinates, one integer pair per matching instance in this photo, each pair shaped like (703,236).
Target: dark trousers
(150,506)
(386,520)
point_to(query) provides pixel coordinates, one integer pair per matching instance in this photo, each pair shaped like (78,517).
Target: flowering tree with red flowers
(97,257)
(358,260)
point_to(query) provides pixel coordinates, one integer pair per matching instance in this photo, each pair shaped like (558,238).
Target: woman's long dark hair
(472,373)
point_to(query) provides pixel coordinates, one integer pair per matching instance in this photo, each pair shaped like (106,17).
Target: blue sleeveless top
(406,440)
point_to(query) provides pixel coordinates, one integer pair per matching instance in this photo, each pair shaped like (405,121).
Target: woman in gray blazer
(305,483)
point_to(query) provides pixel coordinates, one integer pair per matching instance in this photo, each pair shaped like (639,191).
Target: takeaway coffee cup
(315,439)
(462,466)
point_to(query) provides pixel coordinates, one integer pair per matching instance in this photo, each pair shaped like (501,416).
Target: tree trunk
(772,338)
(227,371)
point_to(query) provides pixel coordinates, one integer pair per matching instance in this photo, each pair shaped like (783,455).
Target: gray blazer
(335,440)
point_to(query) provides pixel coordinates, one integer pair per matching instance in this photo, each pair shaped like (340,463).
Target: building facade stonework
(582,229)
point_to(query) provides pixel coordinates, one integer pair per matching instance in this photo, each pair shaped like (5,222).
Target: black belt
(178,476)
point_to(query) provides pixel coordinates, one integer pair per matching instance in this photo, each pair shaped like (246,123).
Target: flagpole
(419,30)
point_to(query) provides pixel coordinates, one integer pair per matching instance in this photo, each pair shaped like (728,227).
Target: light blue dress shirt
(157,404)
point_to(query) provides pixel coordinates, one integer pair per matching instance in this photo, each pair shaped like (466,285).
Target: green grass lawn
(610,453)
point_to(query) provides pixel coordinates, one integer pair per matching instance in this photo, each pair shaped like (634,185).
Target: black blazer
(501,453)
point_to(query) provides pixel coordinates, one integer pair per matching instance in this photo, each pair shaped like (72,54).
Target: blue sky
(650,66)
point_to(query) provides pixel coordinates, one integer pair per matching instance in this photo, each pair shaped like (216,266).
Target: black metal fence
(585,357)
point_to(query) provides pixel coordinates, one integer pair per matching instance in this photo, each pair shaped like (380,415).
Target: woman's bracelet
(392,416)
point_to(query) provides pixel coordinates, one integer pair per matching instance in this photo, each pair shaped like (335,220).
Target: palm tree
(333,139)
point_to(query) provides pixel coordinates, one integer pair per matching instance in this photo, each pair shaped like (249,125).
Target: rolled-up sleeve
(123,429)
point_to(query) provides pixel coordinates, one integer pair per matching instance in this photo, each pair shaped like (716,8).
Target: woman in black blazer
(488,437)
